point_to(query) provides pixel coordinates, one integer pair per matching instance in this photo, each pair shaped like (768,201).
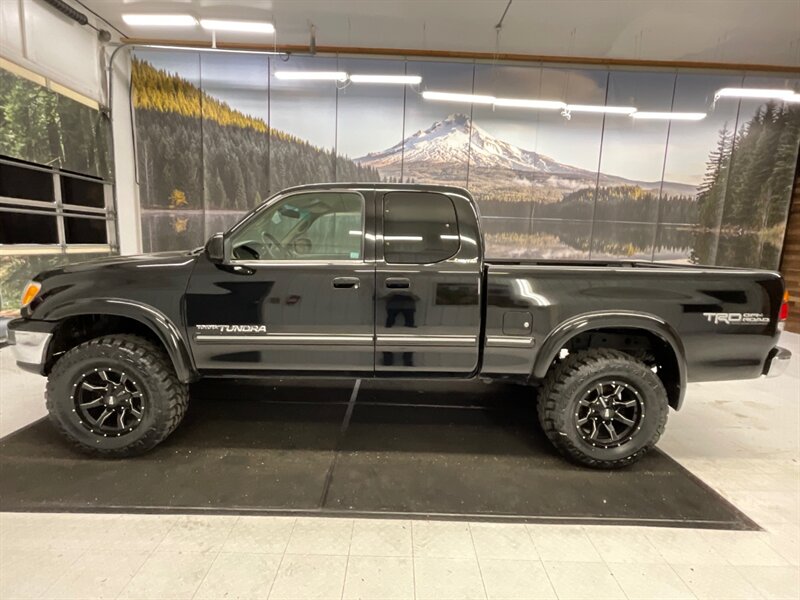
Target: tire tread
(552,412)
(159,368)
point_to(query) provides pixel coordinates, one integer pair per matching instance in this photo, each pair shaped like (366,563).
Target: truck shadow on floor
(430,417)
(446,450)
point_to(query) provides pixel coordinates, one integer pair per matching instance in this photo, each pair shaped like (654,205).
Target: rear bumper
(29,341)
(777,362)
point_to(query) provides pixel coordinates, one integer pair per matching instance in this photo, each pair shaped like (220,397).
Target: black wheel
(115,396)
(603,408)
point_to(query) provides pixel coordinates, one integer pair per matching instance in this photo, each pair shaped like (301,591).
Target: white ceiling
(730,31)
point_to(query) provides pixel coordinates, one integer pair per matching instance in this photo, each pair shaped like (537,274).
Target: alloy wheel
(108,402)
(609,414)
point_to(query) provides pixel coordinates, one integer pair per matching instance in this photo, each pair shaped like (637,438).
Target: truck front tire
(602,408)
(115,396)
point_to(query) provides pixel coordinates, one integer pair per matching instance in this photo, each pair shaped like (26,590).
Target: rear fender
(586,322)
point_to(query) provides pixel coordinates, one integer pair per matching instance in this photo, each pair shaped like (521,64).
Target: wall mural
(218,133)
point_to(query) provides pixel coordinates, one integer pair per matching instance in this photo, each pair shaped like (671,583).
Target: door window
(305,226)
(419,228)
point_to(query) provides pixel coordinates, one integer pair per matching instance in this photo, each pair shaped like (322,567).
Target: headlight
(30,292)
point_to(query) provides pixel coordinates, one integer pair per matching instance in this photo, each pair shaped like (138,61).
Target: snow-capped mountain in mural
(447,141)
(440,153)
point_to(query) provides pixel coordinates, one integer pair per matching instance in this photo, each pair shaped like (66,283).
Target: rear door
(427,309)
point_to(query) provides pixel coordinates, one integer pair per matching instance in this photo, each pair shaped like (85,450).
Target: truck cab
(357,281)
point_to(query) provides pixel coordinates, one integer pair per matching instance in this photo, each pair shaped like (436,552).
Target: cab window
(305,226)
(419,228)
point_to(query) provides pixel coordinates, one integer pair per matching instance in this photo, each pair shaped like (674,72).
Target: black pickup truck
(373,280)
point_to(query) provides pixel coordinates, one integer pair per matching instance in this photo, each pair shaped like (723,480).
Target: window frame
(295,261)
(60,211)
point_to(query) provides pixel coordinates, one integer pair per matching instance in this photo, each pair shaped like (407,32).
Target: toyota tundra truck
(390,281)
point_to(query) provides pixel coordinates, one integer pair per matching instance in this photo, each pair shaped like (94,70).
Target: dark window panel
(82,192)
(85,231)
(419,228)
(28,184)
(28,228)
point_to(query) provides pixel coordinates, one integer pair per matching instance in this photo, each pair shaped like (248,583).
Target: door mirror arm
(215,248)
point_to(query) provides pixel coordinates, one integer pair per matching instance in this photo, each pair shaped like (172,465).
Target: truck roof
(372,185)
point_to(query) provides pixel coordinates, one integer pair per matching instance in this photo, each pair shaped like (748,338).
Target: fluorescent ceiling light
(754,93)
(403,79)
(317,75)
(524,103)
(596,108)
(793,98)
(243,26)
(160,20)
(453,97)
(670,116)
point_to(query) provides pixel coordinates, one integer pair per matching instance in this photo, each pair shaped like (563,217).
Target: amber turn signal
(30,292)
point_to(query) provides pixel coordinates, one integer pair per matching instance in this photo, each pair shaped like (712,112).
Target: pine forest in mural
(240,159)
(215,139)
(41,126)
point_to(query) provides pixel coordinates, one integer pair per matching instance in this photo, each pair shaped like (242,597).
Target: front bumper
(29,341)
(777,362)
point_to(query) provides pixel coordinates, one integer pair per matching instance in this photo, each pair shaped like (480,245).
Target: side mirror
(215,248)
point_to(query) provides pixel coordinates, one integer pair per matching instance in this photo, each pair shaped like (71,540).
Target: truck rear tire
(115,396)
(603,408)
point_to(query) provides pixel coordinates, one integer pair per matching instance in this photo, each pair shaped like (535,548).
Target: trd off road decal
(727,318)
(230,329)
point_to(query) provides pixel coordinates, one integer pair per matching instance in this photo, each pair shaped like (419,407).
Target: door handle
(397,283)
(346,282)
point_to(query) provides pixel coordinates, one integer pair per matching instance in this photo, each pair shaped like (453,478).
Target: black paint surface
(423,449)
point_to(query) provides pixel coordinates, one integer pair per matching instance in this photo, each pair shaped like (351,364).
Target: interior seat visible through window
(307,226)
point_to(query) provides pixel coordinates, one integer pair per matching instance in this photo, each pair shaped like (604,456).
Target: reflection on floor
(742,438)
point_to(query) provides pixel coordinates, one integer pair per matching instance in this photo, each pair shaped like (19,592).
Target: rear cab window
(419,228)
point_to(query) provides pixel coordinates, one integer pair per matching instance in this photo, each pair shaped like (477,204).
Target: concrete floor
(742,438)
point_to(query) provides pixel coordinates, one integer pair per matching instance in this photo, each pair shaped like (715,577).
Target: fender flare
(152,318)
(578,324)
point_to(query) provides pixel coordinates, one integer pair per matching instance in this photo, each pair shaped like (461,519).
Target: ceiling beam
(407,52)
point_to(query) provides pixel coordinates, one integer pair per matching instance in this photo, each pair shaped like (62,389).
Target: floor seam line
(539,558)
(216,557)
(337,448)
(149,555)
(413,561)
(347,562)
(280,563)
(477,559)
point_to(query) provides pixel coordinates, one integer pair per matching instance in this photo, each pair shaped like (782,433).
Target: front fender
(582,323)
(155,320)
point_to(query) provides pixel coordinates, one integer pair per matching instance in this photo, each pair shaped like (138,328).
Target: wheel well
(75,330)
(645,345)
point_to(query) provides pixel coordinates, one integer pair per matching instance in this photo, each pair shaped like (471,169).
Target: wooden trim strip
(452,54)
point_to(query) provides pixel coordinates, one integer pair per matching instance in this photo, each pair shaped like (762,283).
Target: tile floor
(751,455)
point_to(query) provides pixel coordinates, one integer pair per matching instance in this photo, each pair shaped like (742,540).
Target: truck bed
(724,321)
(608,264)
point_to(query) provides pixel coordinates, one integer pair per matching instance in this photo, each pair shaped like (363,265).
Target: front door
(427,317)
(296,293)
